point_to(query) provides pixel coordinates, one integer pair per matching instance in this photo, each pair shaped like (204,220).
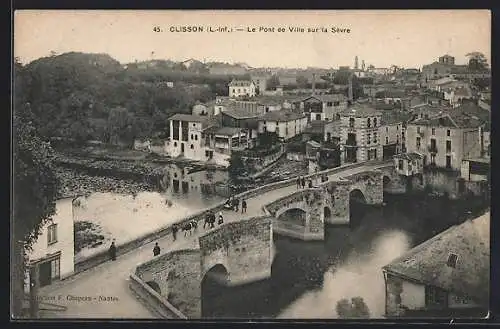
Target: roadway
(110,279)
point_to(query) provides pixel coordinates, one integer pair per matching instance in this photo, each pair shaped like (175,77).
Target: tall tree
(273,82)
(477,61)
(356,308)
(34,194)
(236,167)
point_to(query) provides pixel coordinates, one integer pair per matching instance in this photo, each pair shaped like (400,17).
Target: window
(337,103)
(448,132)
(418,130)
(368,138)
(194,124)
(400,164)
(374,122)
(448,146)
(433,131)
(192,146)
(387,129)
(452,260)
(192,136)
(387,140)
(368,123)
(195,137)
(417,144)
(375,138)
(329,104)
(435,297)
(175,144)
(397,127)
(52,234)
(448,161)
(351,122)
(55,268)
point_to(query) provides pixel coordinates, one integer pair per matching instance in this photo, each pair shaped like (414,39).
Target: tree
(34,195)
(273,82)
(356,309)
(236,167)
(477,61)
(302,81)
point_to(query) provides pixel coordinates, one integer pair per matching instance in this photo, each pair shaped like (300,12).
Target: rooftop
(361,110)
(228,131)
(240,83)
(188,117)
(240,114)
(394,116)
(452,119)
(327,98)
(282,115)
(427,262)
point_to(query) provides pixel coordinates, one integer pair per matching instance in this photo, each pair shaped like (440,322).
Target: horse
(189,227)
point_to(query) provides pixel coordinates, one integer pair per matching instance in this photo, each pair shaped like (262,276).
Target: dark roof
(394,116)
(327,98)
(361,110)
(240,114)
(228,131)
(393,93)
(475,110)
(427,262)
(240,83)
(187,117)
(282,115)
(452,119)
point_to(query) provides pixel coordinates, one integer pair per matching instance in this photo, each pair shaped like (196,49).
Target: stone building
(284,123)
(241,88)
(359,134)
(448,275)
(324,107)
(445,139)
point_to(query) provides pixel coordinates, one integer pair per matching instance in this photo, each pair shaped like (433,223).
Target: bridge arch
(295,216)
(357,202)
(327,213)
(213,285)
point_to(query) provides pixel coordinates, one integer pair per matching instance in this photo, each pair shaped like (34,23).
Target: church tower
(356,63)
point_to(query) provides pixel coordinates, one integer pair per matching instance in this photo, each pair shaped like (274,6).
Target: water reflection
(186,185)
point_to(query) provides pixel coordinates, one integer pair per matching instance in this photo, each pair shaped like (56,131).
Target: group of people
(301,181)
(210,219)
(234,204)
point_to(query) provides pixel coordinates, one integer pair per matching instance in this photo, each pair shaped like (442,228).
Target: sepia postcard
(244,164)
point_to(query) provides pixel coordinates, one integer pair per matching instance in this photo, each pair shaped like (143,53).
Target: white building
(284,123)
(241,88)
(324,107)
(53,253)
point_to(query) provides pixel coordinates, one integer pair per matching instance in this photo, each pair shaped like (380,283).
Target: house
(186,137)
(391,96)
(475,170)
(284,123)
(324,107)
(445,139)
(260,81)
(53,254)
(238,118)
(436,71)
(409,164)
(447,275)
(225,140)
(456,96)
(359,133)
(203,109)
(241,88)
(392,133)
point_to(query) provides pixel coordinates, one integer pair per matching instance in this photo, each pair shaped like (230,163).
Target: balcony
(432,149)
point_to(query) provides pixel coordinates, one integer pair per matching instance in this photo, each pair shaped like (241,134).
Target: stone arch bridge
(237,252)
(303,214)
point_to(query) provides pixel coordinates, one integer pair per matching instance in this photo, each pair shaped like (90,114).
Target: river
(309,278)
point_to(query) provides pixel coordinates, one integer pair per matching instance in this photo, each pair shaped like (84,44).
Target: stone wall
(177,273)
(370,183)
(244,248)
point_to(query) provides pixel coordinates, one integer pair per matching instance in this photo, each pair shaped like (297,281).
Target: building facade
(53,254)
(446,139)
(241,88)
(186,137)
(284,123)
(324,107)
(359,134)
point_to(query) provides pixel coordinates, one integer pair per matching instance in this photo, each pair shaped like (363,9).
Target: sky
(407,38)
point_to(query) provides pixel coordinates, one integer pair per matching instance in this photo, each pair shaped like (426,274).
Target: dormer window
(452,260)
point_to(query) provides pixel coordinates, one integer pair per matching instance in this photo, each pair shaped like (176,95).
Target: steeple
(356,66)
(363,65)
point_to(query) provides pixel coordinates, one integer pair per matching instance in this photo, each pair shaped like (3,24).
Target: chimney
(313,83)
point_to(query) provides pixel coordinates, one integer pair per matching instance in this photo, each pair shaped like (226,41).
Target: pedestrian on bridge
(236,204)
(221,219)
(243,206)
(303,182)
(156,249)
(112,251)
(310,183)
(298,182)
(174,231)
